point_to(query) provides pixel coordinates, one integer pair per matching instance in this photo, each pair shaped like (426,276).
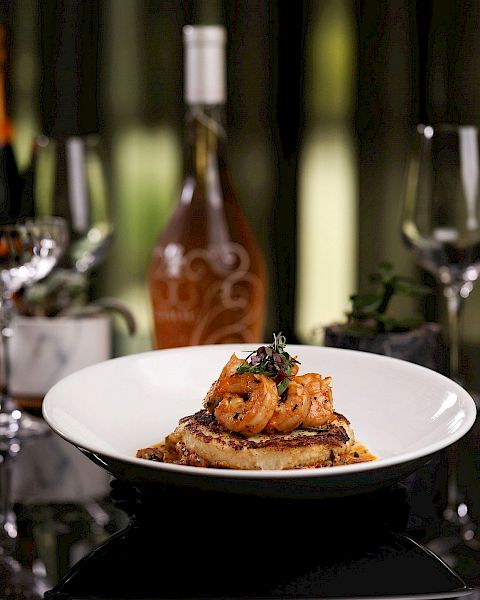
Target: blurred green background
(323,96)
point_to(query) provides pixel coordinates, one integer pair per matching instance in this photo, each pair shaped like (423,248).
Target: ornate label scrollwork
(213,289)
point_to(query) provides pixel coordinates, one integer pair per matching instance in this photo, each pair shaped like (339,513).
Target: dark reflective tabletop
(188,544)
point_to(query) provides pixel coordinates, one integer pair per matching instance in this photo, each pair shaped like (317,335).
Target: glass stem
(6,310)
(8,447)
(8,521)
(453,494)
(454,306)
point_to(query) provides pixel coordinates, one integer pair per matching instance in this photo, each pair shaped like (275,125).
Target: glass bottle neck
(6,129)
(205,138)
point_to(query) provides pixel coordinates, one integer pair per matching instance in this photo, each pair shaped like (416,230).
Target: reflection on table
(182,544)
(67,507)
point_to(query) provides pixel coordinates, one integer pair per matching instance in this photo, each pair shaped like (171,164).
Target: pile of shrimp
(250,403)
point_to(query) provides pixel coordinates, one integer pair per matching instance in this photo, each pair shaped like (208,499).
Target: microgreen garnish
(283,385)
(273,361)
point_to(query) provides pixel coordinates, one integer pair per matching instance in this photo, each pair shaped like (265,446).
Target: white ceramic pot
(44,350)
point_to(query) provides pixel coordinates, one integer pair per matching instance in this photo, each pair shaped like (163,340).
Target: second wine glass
(441,226)
(441,220)
(67,178)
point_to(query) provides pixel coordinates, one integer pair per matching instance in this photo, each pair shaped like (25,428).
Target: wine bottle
(207,275)
(27,186)
(10,183)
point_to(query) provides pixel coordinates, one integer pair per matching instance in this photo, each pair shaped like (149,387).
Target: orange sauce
(358,454)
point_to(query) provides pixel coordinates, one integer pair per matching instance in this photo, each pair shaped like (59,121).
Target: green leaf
(386,268)
(255,369)
(369,310)
(282,386)
(366,301)
(384,274)
(407,287)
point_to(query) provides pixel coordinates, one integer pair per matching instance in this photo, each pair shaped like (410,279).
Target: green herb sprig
(272,361)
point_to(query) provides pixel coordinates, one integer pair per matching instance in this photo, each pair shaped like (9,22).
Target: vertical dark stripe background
(389,101)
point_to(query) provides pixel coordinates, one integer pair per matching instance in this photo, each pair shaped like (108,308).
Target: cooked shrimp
(320,393)
(295,368)
(212,398)
(291,410)
(232,365)
(247,404)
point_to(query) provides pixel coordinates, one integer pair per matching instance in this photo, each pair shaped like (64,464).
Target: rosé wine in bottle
(207,276)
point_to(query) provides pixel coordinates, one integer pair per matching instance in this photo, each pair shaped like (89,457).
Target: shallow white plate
(402,412)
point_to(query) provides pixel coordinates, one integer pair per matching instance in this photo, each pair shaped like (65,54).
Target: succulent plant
(59,291)
(370,311)
(65,293)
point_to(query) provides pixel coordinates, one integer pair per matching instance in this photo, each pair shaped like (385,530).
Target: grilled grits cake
(199,440)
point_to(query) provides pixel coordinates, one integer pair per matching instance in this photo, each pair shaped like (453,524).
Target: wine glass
(28,252)
(441,226)
(67,178)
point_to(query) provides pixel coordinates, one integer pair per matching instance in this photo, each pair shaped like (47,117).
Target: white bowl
(402,412)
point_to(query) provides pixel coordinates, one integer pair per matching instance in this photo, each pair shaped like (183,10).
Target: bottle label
(206,296)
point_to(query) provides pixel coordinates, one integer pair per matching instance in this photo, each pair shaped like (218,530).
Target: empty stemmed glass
(69,180)
(441,226)
(28,252)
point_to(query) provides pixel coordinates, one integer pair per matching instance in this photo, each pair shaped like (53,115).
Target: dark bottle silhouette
(11,184)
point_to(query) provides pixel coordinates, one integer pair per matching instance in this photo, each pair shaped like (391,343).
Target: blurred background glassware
(28,252)
(66,177)
(441,227)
